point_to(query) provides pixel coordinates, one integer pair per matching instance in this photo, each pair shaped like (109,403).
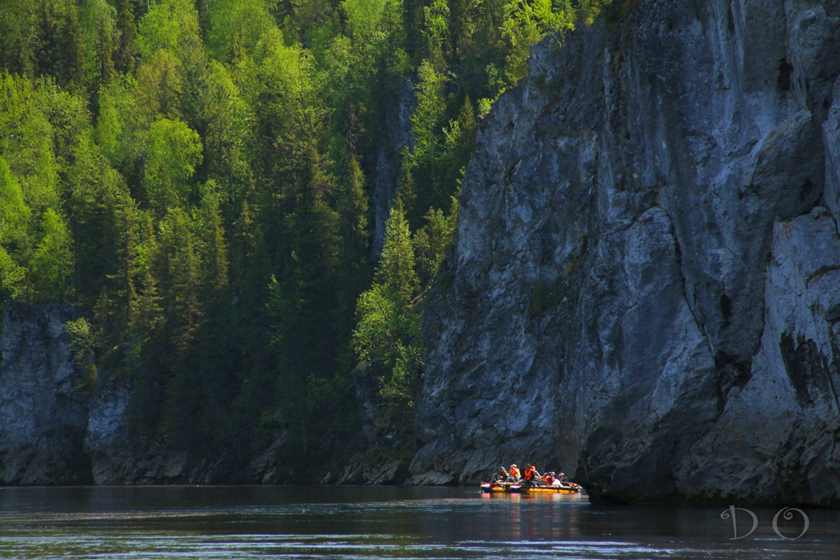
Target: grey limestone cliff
(396,136)
(43,400)
(645,287)
(59,427)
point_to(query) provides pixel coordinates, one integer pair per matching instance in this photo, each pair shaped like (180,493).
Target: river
(360,523)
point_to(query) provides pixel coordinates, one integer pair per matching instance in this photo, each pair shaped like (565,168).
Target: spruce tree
(52,261)
(387,335)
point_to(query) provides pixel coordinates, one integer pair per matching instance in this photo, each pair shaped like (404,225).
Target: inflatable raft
(526,488)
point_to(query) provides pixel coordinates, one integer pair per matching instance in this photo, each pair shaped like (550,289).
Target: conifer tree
(52,261)
(98,42)
(127,31)
(183,281)
(214,252)
(353,209)
(172,153)
(14,212)
(387,335)
(14,224)
(395,272)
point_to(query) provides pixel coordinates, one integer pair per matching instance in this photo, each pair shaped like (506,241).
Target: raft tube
(524,488)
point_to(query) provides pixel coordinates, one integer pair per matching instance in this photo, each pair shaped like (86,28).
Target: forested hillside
(195,176)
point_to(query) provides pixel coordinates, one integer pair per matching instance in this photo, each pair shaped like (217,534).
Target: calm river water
(324,522)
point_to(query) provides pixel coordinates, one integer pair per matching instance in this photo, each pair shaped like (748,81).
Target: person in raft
(553,479)
(532,474)
(514,473)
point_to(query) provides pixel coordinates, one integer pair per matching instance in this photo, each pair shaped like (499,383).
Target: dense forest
(195,176)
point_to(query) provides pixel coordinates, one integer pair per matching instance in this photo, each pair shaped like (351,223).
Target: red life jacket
(529,474)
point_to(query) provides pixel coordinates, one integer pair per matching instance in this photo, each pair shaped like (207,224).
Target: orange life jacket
(529,473)
(514,472)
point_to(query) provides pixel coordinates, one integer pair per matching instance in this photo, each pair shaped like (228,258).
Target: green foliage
(26,140)
(436,18)
(432,241)
(355,203)
(228,134)
(396,271)
(169,25)
(212,242)
(182,269)
(52,262)
(172,153)
(83,345)
(14,213)
(127,33)
(18,38)
(41,37)
(363,17)
(431,106)
(236,26)
(160,85)
(387,335)
(119,122)
(432,170)
(589,10)
(378,327)
(12,277)
(99,36)
(526,23)
(140,254)
(199,177)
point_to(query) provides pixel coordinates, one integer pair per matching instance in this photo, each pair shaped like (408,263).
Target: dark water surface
(325,522)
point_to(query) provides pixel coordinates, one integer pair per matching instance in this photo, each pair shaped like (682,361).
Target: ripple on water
(363,524)
(345,547)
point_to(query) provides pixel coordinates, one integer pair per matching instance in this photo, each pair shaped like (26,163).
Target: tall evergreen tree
(14,212)
(172,154)
(387,335)
(127,31)
(52,261)
(14,225)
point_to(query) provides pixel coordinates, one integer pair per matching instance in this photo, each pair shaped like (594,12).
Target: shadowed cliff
(646,280)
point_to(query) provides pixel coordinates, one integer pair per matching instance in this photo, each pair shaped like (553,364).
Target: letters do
(787,514)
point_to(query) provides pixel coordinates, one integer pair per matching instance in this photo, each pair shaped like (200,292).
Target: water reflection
(272,522)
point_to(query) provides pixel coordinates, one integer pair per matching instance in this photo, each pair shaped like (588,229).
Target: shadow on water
(384,522)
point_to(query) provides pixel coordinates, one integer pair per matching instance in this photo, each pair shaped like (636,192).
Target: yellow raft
(565,489)
(526,488)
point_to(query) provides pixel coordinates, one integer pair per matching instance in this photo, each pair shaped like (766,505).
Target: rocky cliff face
(57,427)
(43,400)
(645,286)
(396,135)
